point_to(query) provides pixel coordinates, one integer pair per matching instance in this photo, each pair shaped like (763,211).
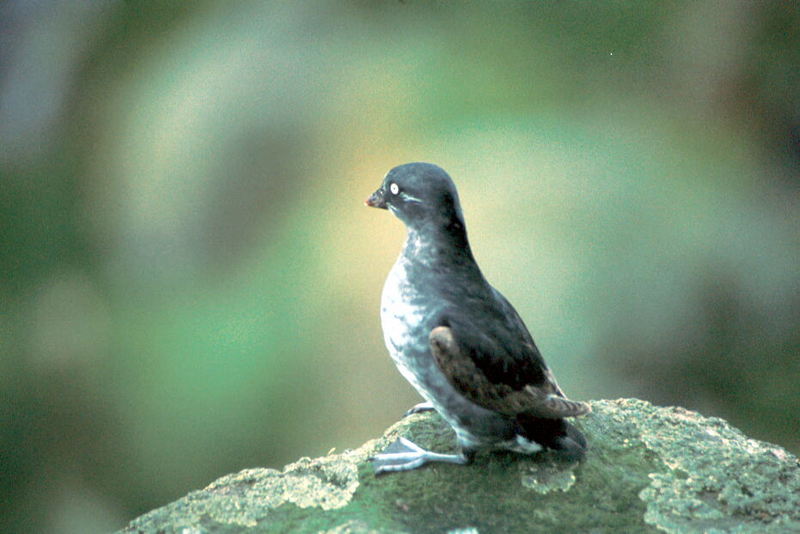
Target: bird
(458,341)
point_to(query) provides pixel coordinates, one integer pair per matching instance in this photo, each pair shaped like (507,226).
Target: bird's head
(421,195)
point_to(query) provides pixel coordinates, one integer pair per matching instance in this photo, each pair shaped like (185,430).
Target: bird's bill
(376,200)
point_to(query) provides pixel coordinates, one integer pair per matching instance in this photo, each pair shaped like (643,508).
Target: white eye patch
(393,187)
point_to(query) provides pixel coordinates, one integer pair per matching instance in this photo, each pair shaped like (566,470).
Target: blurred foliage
(190,283)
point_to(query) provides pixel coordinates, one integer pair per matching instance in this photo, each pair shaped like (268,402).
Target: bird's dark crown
(422,195)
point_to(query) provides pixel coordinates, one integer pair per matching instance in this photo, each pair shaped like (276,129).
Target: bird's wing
(481,366)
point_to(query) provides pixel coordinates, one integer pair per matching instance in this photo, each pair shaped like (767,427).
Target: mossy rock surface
(649,469)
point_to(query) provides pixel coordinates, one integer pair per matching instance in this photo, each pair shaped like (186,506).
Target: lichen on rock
(549,476)
(247,497)
(717,477)
(649,469)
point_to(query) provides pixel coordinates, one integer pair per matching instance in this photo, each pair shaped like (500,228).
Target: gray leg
(403,455)
(419,408)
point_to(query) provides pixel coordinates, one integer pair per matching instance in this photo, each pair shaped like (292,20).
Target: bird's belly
(407,320)
(406,325)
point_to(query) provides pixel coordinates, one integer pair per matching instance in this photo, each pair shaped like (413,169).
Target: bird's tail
(556,434)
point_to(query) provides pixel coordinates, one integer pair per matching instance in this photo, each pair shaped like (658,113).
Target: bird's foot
(419,408)
(404,455)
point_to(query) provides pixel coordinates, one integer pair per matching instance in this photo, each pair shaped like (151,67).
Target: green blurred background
(190,281)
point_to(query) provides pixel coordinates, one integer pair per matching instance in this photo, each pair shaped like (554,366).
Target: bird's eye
(394,188)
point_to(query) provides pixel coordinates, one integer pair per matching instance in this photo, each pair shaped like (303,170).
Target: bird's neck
(442,247)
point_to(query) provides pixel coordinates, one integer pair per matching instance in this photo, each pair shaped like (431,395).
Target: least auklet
(457,340)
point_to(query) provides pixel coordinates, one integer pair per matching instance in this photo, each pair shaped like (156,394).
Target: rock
(649,469)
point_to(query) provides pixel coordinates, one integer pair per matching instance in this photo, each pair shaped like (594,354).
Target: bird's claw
(405,455)
(419,408)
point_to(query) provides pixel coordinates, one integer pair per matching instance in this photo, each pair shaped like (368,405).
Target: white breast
(398,315)
(401,321)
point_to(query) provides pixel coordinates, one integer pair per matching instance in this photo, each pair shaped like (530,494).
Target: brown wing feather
(542,401)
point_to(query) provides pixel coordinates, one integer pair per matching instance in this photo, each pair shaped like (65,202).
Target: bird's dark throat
(441,245)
